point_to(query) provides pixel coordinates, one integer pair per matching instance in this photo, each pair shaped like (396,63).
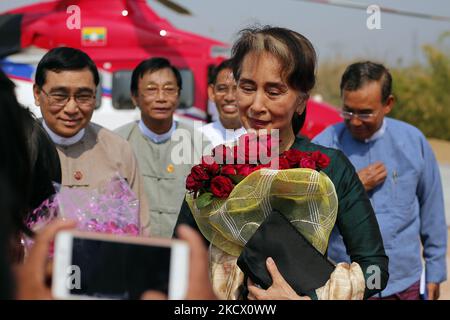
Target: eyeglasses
(61,99)
(222,90)
(153,91)
(347,115)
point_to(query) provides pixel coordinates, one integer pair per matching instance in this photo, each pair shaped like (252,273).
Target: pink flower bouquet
(112,208)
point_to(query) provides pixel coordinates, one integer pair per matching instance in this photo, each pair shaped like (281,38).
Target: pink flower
(109,227)
(132,229)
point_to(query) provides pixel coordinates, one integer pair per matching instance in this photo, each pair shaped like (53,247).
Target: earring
(302,107)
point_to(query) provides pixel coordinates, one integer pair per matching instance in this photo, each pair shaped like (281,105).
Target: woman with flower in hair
(275,72)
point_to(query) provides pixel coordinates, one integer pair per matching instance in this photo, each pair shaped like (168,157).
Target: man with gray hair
(166,149)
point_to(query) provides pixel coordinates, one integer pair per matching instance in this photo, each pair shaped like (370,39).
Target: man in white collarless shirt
(155,89)
(64,89)
(222,90)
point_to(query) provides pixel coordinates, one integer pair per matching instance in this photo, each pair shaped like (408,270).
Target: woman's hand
(32,275)
(279,290)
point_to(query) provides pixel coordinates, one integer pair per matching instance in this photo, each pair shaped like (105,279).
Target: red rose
(279,163)
(192,184)
(221,186)
(210,165)
(228,170)
(293,156)
(283,163)
(261,166)
(244,169)
(307,162)
(321,159)
(199,173)
(222,154)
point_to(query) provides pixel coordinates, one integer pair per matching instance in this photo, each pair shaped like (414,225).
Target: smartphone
(102,266)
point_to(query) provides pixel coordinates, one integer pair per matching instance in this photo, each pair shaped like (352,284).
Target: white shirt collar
(216,133)
(231,134)
(156,138)
(57,139)
(377,134)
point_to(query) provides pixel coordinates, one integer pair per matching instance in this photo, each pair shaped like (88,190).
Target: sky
(333,31)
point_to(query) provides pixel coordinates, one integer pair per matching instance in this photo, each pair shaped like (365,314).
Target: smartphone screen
(114,270)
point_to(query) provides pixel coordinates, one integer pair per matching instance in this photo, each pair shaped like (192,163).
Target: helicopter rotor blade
(174,6)
(356,5)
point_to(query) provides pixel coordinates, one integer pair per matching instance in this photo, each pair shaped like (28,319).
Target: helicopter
(117,38)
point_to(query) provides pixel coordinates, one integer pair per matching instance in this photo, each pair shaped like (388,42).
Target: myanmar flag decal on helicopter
(93,36)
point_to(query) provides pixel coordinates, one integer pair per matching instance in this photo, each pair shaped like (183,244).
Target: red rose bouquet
(232,191)
(218,174)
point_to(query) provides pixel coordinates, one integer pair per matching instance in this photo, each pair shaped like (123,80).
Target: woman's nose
(258,104)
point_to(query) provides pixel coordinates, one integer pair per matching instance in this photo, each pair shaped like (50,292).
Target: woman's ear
(301,103)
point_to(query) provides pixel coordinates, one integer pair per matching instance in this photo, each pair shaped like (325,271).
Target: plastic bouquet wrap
(112,208)
(230,200)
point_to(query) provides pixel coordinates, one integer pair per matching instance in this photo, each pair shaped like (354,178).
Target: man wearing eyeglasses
(157,139)
(65,86)
(399,171)
(222,91)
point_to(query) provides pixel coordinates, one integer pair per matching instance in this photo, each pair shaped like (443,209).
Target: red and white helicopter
(117,37)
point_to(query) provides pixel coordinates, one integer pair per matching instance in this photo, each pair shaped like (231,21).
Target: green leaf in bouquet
(204,200)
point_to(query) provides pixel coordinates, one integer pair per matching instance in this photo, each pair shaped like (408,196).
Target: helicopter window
(121,98)
(187,94)
(98,95)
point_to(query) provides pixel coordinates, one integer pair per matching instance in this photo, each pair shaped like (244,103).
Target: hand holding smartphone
(101,266)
